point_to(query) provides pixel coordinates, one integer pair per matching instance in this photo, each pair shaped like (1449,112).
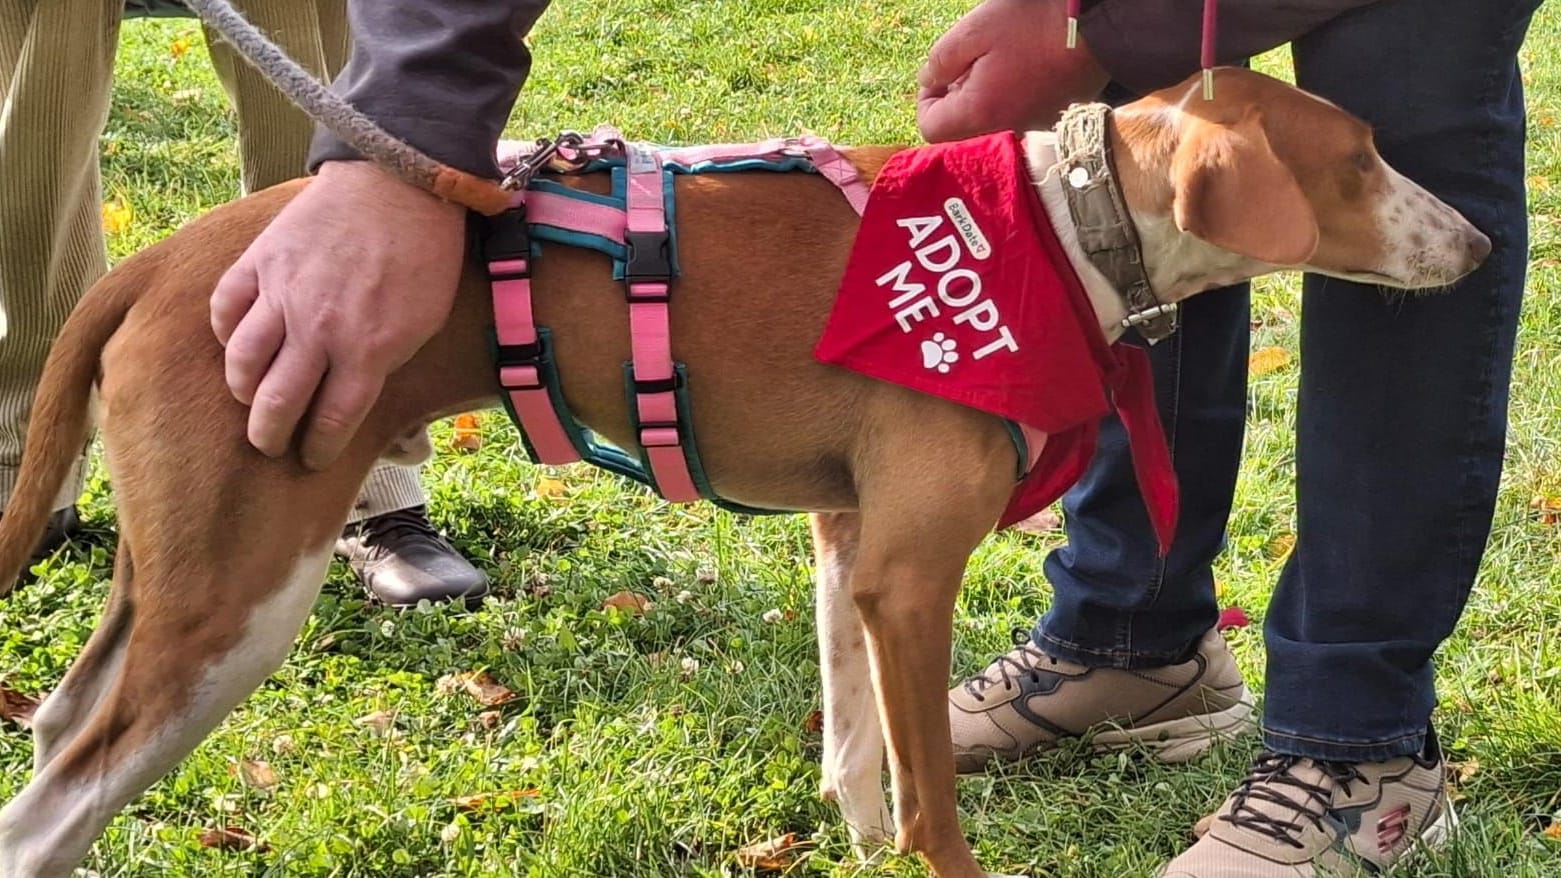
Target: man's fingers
(283,396)
(234,295)
(950,58)
(251,348)
(344,400)
(966,111)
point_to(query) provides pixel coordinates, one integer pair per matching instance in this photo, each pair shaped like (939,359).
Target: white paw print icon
(939,353)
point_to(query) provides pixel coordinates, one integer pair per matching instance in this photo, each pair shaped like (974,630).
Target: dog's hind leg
(852,766)
(178,677)
(62,715)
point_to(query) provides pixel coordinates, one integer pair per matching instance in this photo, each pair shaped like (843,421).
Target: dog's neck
(1177,264)
(1040,152)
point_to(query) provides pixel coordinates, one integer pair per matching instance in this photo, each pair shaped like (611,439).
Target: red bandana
(957,286)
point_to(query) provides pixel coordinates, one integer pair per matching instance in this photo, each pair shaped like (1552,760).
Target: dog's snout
(1478,245)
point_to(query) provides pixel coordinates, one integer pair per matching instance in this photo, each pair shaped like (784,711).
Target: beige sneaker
(1298,818)
(1026,701)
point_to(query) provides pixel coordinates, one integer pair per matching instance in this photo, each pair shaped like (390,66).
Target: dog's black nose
(1479,246)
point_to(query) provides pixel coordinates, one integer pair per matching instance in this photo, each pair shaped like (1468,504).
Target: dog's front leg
(853,739)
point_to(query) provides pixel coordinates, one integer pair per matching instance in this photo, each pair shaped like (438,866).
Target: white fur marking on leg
(853,741)
(49,827)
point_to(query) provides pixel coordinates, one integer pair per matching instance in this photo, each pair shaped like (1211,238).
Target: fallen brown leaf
(1547,508)
(1267,360)
(467,433)
(17,708)
(1045,521)
(814,723)
(550,488)
(230,838)
(629,602)
(380,722)
(773,855)
(256,774)
(493,801)
(489,719)
(1553,831)
(487,691)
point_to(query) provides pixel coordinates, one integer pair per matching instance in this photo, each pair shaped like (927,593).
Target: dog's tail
(57,428)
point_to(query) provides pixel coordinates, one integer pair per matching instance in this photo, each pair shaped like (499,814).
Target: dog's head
(1281,178)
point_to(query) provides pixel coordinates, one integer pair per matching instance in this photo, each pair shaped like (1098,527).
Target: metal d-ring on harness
(633,226)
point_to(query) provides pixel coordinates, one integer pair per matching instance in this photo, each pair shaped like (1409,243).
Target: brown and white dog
(222,550)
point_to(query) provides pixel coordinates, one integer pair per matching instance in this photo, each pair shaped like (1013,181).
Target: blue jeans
(1400,428)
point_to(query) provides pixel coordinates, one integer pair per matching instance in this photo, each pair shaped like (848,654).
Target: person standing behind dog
(1399,445)
(56,69)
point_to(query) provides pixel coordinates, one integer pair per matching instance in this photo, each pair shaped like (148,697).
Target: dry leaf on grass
(1267,360)
(1548,509)
(1043,522)
(489,719)
(1553,831)
(493,801)
(467,433)
(629,602)
(230,838)
(380,723)
(480,685)
(17,708)
(256,774)
(773,855)
(814,723)
(117,216)
(550,488)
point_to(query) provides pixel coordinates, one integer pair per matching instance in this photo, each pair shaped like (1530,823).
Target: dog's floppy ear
(1233,191)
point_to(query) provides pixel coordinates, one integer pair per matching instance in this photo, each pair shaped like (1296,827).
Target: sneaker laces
(382,532)
(1009,667)
(1273,781)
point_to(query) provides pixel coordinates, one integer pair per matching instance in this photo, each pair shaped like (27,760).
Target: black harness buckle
(658,385)
(506,236)
(649,258)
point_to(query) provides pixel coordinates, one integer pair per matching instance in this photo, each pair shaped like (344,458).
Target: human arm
(360,269)
(1005,63)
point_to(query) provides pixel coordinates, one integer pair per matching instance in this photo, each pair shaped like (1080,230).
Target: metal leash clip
(543,152)
(569,152)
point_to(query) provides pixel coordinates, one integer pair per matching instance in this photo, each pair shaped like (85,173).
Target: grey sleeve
(1150,44)
(442,76)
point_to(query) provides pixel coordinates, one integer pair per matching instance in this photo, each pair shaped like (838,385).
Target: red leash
(1207,58)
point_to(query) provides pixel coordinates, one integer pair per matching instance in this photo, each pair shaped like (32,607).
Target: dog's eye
(1363,161)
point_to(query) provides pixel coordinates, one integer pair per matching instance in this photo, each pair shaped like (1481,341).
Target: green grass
(641,763)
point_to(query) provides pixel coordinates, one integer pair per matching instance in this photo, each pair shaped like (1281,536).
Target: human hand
(1005,65)
(342,288)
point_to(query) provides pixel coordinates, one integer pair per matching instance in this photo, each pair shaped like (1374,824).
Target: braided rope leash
(1206,57)
(360,132)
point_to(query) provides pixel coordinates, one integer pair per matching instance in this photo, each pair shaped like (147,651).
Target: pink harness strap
(642,228)
(515,328)
(648,274)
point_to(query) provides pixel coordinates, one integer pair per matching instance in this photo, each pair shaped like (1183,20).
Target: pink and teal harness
(634,225)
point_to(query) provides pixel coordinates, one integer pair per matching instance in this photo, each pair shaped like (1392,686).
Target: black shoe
(63,525)
(400,559)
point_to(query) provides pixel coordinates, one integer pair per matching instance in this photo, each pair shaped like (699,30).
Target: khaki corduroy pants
(56,75)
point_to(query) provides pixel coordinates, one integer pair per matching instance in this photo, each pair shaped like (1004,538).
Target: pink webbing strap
(516,330)
(835,168)
(575,215)
(648,274)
